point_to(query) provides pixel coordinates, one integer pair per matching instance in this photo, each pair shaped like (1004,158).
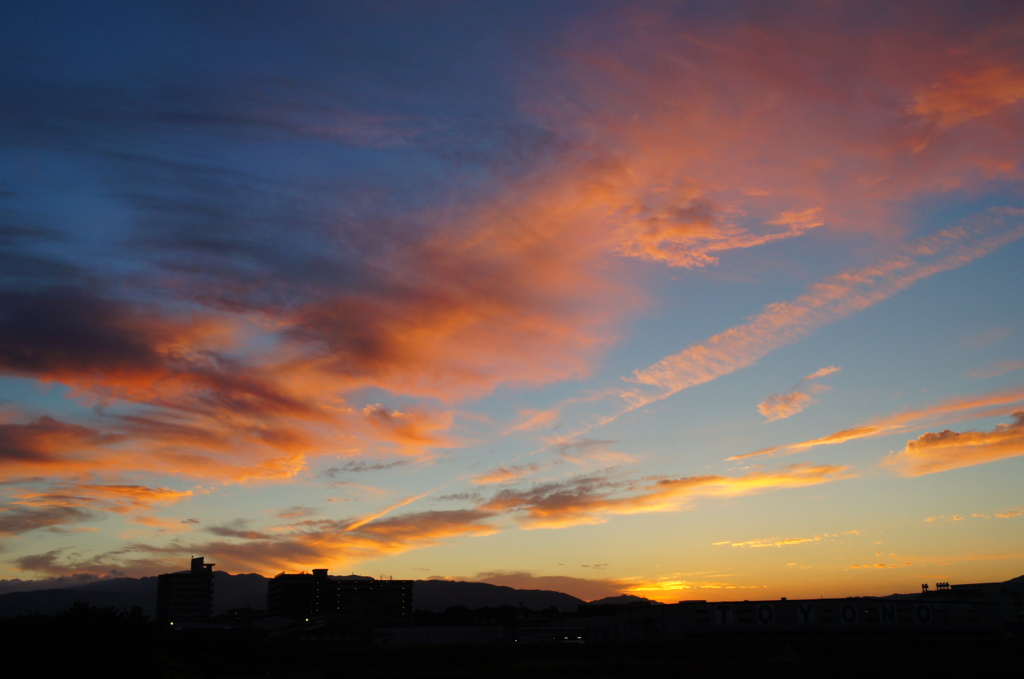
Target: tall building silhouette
(357,599)
(186,595)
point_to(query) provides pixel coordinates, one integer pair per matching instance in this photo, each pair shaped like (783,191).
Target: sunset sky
(686,300)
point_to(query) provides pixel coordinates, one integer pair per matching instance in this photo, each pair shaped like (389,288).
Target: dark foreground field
(716,657)
(86,641)
(833,657)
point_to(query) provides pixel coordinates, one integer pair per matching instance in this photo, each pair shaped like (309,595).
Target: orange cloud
(713,125)
(821,373)
(882,565)
(987,405)
(44,442)
(176,443)
(63,504)
(17,520)
(965,95)
(677,148)
(591,499)
(414,431)
(671,589)
(781,406)
(519,274)
(785,542)
(503,474)
(687,235)
(333,544)
(946,450)
(535,419)
(772,542)
(112,498)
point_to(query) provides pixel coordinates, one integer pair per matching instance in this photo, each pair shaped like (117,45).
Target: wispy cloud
(504,474)
(786,542)
(17,520)
(414,432)
(783,323)
(781,406)
(903,564)
(993,404)
(593,498)
(996,369)
(687,235)
(973,92)
(113,498)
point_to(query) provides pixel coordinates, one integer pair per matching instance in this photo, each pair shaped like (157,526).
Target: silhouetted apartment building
(354,599)
(854,614)
(186,595)
(1008,596)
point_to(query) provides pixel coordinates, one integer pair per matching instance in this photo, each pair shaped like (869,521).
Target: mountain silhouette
(250,591)
(439,595)
(622,599)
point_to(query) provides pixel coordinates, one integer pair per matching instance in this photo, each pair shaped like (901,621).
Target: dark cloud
(296,512)
(64,566)
(47,441)
(62,582)
(85,338)
(58,330)
(15,520)
(460,497)
(239,528)
(359,466)
(583,447)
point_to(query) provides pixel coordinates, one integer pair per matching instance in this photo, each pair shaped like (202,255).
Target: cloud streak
(593,498)
(781,406)
(993,404)
(784,323)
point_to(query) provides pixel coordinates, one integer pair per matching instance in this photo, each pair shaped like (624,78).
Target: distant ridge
(250,591)
(439,595)
(623,599)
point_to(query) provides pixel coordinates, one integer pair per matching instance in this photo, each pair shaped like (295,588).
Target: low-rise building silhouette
(850,615)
